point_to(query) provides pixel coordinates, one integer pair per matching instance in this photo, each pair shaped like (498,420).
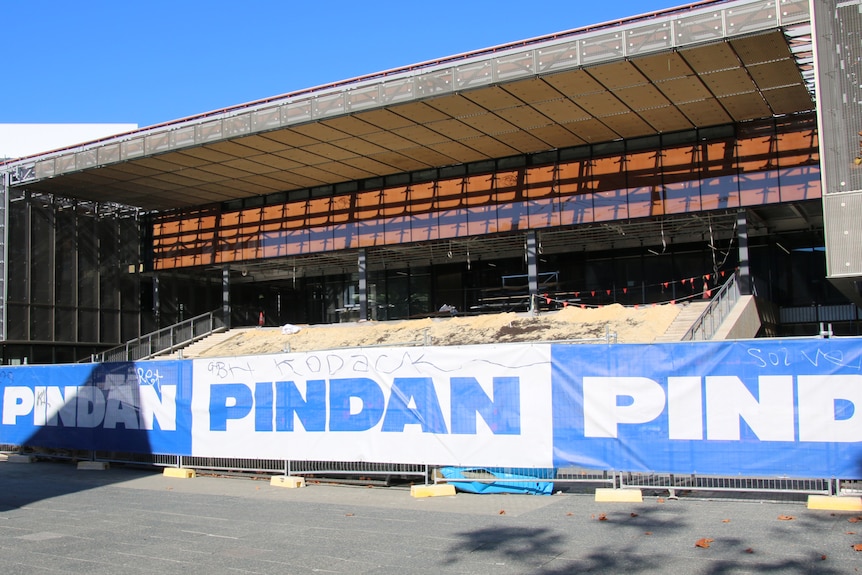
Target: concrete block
(287,481)
(608,495)
(835,503)
(437,490)
(93,465)
(18,458)
(179,473)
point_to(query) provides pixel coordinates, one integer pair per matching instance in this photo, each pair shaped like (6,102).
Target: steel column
(744,264)
(363,285)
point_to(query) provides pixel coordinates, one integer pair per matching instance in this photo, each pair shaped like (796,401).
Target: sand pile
(631,325)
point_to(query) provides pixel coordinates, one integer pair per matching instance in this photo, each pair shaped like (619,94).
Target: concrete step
(687,316)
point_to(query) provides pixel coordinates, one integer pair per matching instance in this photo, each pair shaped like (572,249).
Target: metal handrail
(165,340)
(707,324)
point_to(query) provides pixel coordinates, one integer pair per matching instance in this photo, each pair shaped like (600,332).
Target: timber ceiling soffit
(740,79)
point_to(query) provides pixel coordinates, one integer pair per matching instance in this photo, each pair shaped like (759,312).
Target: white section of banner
(238,406)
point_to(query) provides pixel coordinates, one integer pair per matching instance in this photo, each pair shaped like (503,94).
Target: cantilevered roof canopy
(707,64)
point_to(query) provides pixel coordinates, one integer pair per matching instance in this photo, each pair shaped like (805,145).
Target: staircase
(197,348)
(165,340)
(690,312)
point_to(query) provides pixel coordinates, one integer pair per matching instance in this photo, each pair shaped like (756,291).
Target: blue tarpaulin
(522,485)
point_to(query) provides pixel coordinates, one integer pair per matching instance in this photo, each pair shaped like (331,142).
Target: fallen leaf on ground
(725,520)
(603,517)
(703,543)
(569,514)
(647,532)
(786,517)
(660,500)
(857,547)
(749,550)
(502,512)
(823,557)
(855,519)
(634,514)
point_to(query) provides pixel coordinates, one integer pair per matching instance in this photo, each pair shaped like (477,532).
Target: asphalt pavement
(56,519)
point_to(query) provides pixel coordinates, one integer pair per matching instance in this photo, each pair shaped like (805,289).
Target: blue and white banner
(758,408)
(482,405)
(142,407)
(754,408)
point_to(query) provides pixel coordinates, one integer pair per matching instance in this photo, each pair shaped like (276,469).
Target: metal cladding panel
(700,27)
(473,75)
(109,154)
(516,65)
(85,159)
(602,47)
(295,112)
(208,131)
(843,234)
(558,57)
(838,27)
(793,11)
(4,254)
(649,38)
(262,120)
(328,105)
(363,98)
(45,169)
(750,18)
(155,143)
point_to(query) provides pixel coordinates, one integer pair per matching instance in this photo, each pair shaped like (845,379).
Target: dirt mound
(628,325)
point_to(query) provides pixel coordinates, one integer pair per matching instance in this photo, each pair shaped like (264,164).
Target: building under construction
(640,161)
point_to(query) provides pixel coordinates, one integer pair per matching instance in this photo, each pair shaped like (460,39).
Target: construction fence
(756,415)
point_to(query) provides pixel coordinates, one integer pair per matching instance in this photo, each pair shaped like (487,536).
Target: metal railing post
(719,308)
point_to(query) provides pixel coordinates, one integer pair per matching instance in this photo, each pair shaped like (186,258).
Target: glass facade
(718,169)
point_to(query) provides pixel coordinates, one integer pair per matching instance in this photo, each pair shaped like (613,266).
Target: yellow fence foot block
(93,465)
(619,495)
(17,458)
(179,473)
(438,490)
(834,503)
(287,481)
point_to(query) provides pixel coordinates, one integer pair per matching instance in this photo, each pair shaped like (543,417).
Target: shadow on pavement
(84,411)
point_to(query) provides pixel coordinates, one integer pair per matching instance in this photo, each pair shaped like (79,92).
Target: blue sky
(147,62)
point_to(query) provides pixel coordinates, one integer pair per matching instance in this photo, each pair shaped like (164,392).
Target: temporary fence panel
(758,408)
(755,408)
(122,407)
(464,405)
